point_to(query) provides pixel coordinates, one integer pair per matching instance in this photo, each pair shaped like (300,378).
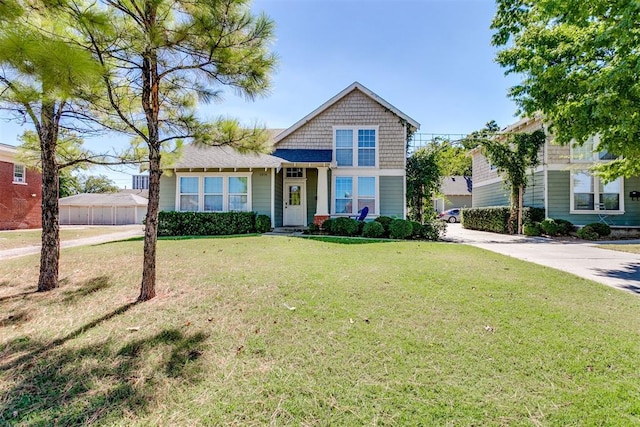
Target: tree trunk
(50,251)
(151,107)
(520,197)
(148,287)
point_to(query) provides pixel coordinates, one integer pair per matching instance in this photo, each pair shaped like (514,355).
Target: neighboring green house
(348,153)
(562,184)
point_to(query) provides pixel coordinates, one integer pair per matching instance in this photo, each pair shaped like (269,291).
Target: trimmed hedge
(400,229)
(344,226)
(372,229)
(495,219)
(173,223)
(601,228)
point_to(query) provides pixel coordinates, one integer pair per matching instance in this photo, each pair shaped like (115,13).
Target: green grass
(265,330)
(634,249)
(22,238)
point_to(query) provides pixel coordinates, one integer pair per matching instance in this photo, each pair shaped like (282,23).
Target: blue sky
(432,59)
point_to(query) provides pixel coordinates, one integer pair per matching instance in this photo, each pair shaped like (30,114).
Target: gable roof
(103,199)
(338,97)
(196,156)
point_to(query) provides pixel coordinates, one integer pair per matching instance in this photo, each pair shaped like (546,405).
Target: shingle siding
(354,109)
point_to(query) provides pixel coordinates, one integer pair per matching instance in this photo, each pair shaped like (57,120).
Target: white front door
(294,204)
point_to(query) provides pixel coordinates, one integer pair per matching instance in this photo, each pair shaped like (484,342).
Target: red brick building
(20,192)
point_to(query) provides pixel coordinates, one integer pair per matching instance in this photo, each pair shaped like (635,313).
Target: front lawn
(12,239)
(267,330)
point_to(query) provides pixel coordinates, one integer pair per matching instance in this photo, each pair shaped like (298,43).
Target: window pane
(238,184)
(582,183)
(366,157)
(366,186)
(213,185)
(213,203)
(371,203)
(189,203)
(344,157)
(189,185)
(344,138)
(366,138)
(583,201)
(583,152)
(610,201)
(18,173)
(344,194)
(238,203)
(295,173)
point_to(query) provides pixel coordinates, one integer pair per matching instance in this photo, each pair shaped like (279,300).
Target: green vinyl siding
(490,195)
(534,193)
(278,198)
(560,198)
(261,192)
(168,193)
(392,196)
(312,192)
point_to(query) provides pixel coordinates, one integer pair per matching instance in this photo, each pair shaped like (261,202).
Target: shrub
(564,227)
(495,219)
(434,229)
(588,233)
(531,229)
(263,224)
(313,229)
(601,228)
(417,229)
(549,227)
(173,223)
(385,221)
(372,229)
(400,229)
(327,225)
(344,227)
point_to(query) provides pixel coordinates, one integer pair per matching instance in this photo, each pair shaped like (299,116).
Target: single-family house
(455,192)
(348,153)
(563,184)
(20,192)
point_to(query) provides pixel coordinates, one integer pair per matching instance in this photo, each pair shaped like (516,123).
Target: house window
(361,140)
(238,193)
(587,152)
(19,174)
(189,193)
(361,190)
(294,172)
(220,193)
(213,193)
(591,194)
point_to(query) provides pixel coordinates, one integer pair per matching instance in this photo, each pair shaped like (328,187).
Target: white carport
(102,209)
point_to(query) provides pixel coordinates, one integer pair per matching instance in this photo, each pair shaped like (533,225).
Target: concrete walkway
(119,233)
(620,270)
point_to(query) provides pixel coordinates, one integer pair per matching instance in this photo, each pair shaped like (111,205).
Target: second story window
(588,152)
(356,147)
(19,174)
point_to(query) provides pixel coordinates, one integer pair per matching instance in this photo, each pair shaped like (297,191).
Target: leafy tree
(512,155)
(43,73)
(96,184)
(69,183)
(579,67)
(163,57)
(424,175)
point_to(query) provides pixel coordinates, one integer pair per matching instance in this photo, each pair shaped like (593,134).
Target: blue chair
(362,214)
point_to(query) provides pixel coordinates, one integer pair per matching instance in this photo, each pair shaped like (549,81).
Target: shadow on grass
(228,236)
(15,296)
(15,319)
(86,385)
(88,287)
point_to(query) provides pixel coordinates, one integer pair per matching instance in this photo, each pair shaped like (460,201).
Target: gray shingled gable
(196,157)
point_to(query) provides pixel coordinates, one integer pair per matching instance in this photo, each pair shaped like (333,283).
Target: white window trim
(225,188)
(596,193)
(354,145)
(355,193)
(23,181)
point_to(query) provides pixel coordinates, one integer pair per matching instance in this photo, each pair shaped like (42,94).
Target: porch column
(322,202)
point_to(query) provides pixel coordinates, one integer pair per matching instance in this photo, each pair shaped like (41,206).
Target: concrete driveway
(620,270)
